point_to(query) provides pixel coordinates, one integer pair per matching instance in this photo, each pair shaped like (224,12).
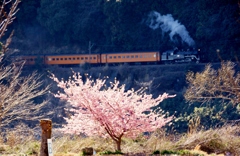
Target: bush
(110,152)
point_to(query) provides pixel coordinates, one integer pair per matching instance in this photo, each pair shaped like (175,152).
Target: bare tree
(17,92)
(223,84)
(6,18)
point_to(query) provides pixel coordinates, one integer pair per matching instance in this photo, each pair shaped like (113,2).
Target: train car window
(90,58)
(110,57)
(136,56)
(49,59)
(119,56)
(115,57)
(61,58)
(132,56)
(154,55)
(57,59)
(123,56)
(94,58)
(65,58)
(69,58)
(127,57)
(74,58)
(53,59)
(86,58)
(82,58)
(31,59)
(140,56)
(145,56)
(78,58)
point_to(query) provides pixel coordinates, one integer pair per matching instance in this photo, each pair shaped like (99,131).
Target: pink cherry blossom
(109,111)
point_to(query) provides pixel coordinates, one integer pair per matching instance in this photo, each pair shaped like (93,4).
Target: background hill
(64,26)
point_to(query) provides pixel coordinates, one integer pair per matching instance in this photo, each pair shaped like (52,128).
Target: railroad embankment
(156,78)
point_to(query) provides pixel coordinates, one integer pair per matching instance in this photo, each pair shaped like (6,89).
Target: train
(140,57)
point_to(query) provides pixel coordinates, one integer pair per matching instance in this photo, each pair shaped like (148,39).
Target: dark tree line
(64,26)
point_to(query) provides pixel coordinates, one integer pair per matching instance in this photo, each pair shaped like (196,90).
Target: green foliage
(179,152)
(169,152)
(210,116)
(111,152)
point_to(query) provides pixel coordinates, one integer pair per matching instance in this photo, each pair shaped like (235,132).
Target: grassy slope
(216,141)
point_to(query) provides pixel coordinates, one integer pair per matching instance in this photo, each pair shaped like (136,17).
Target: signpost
(50,149)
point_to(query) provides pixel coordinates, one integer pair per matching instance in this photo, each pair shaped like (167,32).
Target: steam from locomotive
(168,24)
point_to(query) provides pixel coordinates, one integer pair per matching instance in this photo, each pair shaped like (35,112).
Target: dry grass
(222,141)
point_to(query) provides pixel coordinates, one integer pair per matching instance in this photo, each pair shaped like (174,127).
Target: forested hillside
(65,26)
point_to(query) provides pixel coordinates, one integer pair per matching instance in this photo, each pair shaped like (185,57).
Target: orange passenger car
(132,57)
(72,59)
(29,60)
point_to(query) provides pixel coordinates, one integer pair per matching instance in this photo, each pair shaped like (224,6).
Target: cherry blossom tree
(109,111)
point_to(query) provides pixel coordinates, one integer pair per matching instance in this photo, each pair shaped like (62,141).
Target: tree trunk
(46,126)
(118,142)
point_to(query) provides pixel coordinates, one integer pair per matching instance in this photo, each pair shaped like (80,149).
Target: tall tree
(109,111)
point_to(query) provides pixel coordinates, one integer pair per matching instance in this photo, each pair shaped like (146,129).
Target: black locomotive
(180,56)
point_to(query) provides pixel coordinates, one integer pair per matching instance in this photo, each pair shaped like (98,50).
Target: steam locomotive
(177,56)
(146,57)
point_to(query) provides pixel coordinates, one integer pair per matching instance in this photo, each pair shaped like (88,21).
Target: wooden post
(46,125)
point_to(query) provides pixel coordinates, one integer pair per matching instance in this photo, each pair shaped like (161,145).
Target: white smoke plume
(168,24)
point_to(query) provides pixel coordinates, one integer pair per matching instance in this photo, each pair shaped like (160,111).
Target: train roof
(65,54)
(126,52)
(182,51)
